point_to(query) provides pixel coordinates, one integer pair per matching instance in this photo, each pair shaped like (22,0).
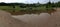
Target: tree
(48,4)
(13,5)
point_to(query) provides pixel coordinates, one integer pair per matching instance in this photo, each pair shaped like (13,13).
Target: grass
(18,9)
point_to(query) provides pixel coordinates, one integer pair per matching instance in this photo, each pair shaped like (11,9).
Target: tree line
(23,5)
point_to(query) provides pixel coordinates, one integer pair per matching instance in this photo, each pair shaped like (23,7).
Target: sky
(27,1)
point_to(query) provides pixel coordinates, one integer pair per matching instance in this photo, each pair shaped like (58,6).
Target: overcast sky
(28,1)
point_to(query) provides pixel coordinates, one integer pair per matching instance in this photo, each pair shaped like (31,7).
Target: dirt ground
(42,20)
(7,21)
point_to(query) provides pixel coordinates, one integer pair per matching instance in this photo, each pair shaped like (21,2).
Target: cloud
(8,1)
(28,1)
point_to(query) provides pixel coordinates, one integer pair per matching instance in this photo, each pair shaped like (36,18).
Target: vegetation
(16,7)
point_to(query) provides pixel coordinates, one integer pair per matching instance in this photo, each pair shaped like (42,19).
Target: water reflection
(32,17)
(35,20)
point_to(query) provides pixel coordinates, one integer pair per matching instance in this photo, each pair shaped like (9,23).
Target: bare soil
(42,20)
(7,21)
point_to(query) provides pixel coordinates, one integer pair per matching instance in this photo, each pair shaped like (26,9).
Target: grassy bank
(26,10)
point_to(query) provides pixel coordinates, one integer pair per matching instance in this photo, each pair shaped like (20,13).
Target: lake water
(40,20)
(31,17)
